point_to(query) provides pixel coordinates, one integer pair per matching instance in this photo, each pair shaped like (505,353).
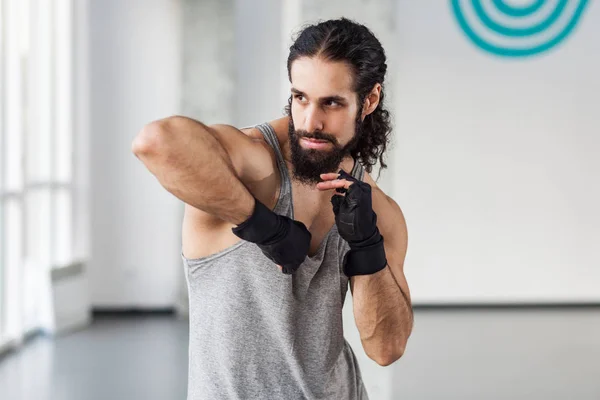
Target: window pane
(2,256)
(37,226)
(2,55)
(63,91)
(62,228)
(13,245)
(40,110)
(17,43)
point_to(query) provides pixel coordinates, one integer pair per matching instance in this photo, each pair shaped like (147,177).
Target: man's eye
(333,103)
(299,97)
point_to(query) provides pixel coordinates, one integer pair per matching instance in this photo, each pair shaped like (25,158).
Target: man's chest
(315,211)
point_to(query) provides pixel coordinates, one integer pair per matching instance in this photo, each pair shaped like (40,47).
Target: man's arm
(205,166)
(381,301)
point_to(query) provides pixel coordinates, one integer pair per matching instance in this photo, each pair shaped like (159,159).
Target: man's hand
(356,222)
(283,240)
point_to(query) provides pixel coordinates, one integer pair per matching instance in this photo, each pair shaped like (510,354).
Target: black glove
(283,240)
(357,224)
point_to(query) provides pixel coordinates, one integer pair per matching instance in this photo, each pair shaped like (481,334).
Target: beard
(309,164)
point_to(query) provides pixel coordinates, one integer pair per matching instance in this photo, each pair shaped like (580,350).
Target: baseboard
(172,311)
(7,348)
(506,306)
(76,268)
(132,312)
(11,346)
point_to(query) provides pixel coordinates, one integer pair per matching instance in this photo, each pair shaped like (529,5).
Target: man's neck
(347,164)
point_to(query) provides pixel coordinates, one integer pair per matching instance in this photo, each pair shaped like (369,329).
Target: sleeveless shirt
(256,333)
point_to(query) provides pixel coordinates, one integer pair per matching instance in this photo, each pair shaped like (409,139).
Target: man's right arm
(211,169)
(206,166)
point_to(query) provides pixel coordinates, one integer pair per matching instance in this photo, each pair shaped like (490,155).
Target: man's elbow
(149,139)
(388,357)
(156,137)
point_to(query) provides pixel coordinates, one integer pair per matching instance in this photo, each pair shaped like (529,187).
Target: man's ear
(371,101)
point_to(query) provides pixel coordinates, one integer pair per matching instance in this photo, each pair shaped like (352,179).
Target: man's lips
(314,143)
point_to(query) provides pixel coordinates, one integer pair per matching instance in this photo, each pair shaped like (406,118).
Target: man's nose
(314,120)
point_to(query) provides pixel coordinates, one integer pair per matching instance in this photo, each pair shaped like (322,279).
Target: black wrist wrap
(261,227)
(366,257)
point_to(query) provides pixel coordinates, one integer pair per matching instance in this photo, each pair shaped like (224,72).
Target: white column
(208,47)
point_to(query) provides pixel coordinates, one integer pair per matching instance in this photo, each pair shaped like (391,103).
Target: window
(37,186)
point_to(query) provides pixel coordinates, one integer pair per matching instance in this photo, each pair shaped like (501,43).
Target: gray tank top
(256,333)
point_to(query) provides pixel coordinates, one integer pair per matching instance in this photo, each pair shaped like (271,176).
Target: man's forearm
(191,164)
(383,315)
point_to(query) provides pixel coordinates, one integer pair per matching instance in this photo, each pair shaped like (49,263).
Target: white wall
(497,164)
(135,224)
(493,162)
(258,61)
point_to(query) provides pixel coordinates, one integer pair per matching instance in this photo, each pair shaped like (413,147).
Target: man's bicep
(243,150)
(252,159)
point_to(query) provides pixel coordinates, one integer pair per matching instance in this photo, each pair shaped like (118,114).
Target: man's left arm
(381,301)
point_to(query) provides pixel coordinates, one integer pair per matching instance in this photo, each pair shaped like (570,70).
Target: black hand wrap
(357,224)
(283,240)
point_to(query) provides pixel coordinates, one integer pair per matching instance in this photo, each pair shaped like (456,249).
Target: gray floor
(115,359)
(502,354)
(461,354)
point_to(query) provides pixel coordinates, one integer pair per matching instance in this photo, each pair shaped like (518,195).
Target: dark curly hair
(348,41)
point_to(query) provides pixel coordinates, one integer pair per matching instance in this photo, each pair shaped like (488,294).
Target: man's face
(325,120)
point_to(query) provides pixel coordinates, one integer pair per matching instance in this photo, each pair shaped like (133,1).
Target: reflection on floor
(116,358)
(452,354)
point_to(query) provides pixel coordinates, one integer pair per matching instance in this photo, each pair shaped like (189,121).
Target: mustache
(316,135)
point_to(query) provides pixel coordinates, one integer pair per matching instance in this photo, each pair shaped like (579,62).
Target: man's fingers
(335,184)
(330,176)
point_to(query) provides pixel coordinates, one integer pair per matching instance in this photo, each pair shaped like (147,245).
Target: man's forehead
(320,78)
(328,95)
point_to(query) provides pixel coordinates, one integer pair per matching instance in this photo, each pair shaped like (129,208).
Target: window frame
(19,278)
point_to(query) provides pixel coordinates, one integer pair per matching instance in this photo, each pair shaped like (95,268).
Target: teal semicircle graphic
(516,13)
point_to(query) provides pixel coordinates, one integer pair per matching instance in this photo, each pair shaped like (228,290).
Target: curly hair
(350,42)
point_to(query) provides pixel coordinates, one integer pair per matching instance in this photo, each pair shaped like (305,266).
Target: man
(279,219)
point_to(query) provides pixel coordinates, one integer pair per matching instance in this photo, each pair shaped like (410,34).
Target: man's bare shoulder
(280,126)
(368,179)
(391,220)
(252,132)
(390,205)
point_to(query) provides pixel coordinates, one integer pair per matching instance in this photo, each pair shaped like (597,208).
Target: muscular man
(280,219)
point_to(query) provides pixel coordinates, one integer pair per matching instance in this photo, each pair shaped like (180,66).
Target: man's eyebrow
(336,98)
